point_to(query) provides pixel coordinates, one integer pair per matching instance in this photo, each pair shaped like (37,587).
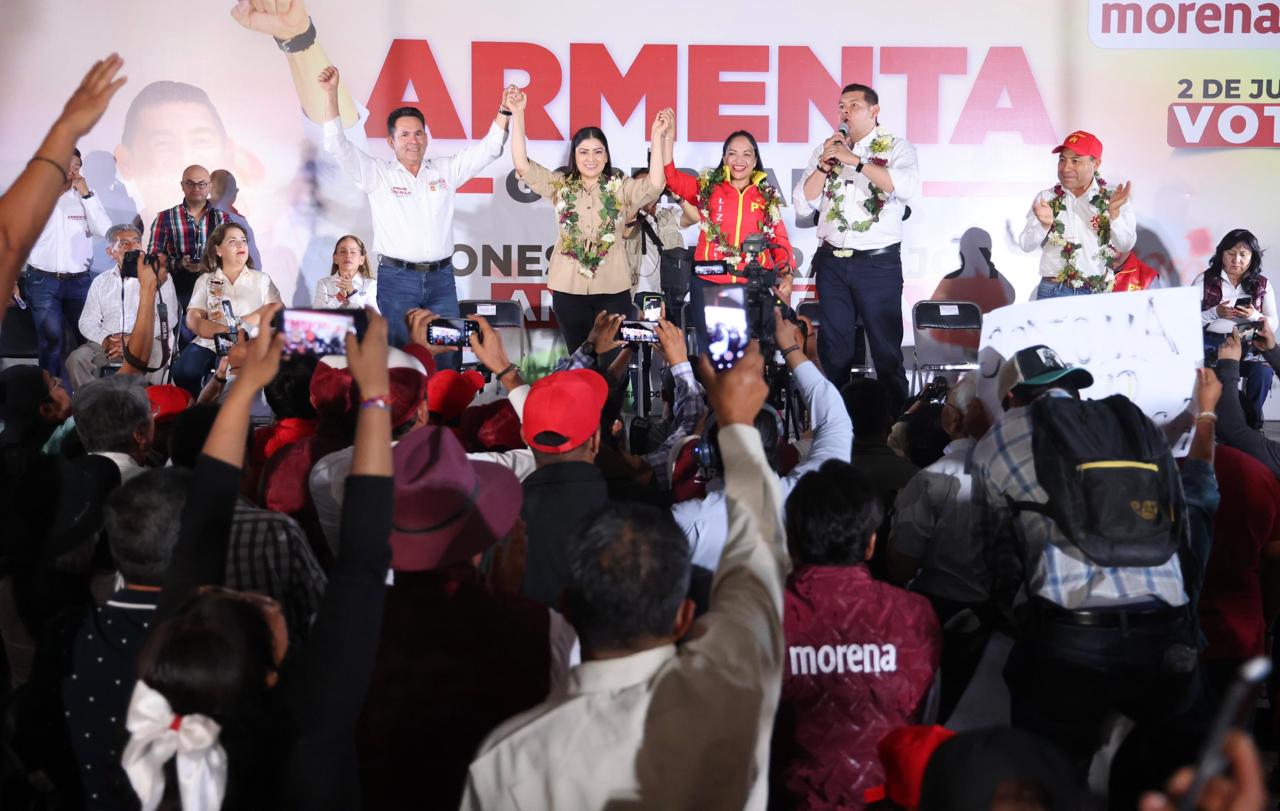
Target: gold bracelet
(1206,415)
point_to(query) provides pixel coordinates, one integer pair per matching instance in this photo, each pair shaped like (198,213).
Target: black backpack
(1114,488)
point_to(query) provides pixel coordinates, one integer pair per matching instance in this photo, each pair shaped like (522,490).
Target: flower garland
(712,232)
(1101,225)
(833,190)
(588,253)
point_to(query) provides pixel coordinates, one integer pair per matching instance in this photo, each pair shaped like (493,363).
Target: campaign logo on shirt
(863,658)
(401,191)
(75,216)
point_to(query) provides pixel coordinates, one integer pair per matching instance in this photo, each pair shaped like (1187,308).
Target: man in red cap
(562,427)
(1082,225)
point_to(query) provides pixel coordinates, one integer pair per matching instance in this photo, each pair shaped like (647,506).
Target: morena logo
(1149,24)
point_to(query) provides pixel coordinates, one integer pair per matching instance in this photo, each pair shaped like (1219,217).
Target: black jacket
(556,499)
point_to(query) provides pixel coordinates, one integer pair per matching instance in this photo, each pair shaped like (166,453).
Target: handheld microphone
(844,133)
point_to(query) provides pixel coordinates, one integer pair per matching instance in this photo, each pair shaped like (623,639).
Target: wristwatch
(86,196)
(858,168)
(301,42)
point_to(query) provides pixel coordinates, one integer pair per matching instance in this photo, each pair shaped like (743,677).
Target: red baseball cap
(450,392)
(167,401)
(1082,143)
(565,403)
(904,754)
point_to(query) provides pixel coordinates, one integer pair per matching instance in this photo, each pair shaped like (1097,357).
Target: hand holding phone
(450,332)
(727,335)
(651,307)
(1236,708)
(637,332)
(318,332)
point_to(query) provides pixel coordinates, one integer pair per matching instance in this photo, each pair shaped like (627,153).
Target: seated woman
(350,284)
(734,201)
(226,275)
(592,205)
(255,722)
(1233,293)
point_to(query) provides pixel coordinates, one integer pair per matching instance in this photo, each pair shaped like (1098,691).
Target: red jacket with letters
(861,656)
(739,215)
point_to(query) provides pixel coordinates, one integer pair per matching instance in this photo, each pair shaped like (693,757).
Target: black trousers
(1064,679)
(576,313)
(867,288)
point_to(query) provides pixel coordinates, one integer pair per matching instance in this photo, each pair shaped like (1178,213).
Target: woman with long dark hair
(589,271)
(734,200)
(225,714)
(1235,294)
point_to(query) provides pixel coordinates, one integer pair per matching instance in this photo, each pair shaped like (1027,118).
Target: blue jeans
(54,304)
(193,363)
(1051,289)
(870,288)
(400,291)
(1257,376)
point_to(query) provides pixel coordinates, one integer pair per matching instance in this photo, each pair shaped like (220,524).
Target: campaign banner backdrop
(1184,96)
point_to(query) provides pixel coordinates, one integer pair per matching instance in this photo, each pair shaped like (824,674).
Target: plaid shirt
(269,553)
(687,411)
(177,233)
(1004,468)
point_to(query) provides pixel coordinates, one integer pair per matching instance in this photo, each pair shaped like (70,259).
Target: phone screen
(651,308)
(726,317)
(1243,301)
(318,332)
(637,332)
(450,332)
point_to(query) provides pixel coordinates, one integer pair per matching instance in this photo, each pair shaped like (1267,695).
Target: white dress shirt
(667,727)
(903,168)
(252,290)
(705,521)
(126,463)
(103,316)
(1209,320)
(364,293)
(66,243)
(412,216)
(1076,219)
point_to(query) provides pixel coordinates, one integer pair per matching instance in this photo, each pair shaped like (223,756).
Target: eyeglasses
(192,184)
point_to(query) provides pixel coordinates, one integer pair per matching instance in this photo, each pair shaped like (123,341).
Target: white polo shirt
(66,243)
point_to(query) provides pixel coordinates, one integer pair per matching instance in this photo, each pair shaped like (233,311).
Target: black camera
(129,263)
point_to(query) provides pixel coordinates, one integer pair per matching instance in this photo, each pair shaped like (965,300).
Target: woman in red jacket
(735,200)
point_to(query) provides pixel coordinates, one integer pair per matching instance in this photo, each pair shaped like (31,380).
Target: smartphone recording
(319,332)
(725,311)
(651,307)
(451,332)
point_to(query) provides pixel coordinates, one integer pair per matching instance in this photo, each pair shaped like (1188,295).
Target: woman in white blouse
(1233,293)
(226,275)
(350,284)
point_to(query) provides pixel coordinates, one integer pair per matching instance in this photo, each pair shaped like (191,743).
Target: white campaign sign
(1145,345)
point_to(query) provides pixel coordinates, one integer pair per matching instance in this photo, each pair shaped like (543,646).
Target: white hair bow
(156,735)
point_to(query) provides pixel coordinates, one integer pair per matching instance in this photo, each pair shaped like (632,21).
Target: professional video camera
(760,298)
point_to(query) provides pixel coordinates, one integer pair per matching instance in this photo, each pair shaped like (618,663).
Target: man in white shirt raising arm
(411,197)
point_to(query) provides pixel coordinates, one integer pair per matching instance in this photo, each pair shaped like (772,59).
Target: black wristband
(511,368)
(503,111)
(858,168)
(301,42)
(790,349)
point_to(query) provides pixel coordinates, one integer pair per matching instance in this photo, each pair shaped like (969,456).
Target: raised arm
(362,168)
(26,206)
(288,22)
(200,556)
(832,428)
(659,147)
(743,629)
(515,100)
(137,353)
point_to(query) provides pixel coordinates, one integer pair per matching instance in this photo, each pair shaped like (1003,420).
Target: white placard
(1145,345)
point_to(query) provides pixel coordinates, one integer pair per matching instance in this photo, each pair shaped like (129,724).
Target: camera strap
(162,313)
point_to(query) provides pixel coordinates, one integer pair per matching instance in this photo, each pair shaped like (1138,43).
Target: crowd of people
(345,579)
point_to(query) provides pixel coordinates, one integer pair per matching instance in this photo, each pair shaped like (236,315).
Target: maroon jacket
(861,659)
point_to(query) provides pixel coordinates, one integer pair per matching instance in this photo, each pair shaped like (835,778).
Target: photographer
(111,312)
(705,521)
